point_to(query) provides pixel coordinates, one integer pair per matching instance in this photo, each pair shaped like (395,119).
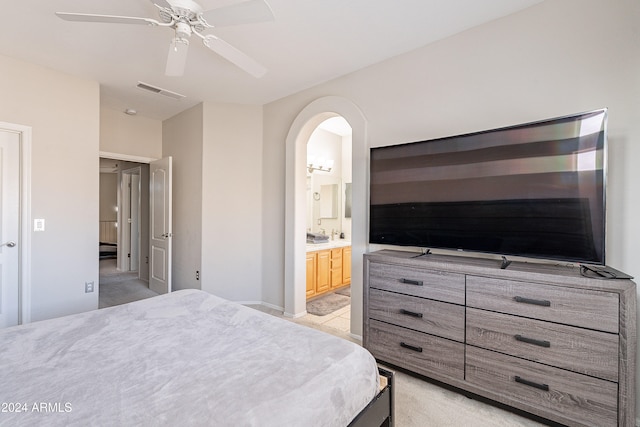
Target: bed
(108,250)
(186,358)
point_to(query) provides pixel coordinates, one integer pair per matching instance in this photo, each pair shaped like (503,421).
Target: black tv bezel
(470,252)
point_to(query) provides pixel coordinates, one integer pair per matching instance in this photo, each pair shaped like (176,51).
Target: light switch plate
(38,225)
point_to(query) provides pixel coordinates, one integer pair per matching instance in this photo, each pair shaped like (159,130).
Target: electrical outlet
(197,274)
(88,287)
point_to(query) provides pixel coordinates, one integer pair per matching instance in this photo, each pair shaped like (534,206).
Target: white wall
(182,137)
(232,202)
(135,136)
(556,58)
(63,112)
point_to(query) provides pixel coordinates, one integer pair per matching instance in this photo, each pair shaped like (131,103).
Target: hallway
(118,287)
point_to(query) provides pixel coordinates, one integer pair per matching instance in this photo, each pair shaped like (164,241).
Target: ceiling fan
(186,17)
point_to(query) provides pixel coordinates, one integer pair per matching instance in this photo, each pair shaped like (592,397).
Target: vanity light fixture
(320,164)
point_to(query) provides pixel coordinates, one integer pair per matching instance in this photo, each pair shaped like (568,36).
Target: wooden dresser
(538,337)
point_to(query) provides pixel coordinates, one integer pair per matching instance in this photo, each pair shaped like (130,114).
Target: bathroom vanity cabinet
(328,268)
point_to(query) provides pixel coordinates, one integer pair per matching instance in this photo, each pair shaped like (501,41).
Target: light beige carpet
(117,288)
(421,404)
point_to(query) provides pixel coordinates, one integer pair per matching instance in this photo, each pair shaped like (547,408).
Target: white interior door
(161,225)
(9,227)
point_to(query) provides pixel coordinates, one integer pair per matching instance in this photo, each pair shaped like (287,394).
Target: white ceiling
(309,42)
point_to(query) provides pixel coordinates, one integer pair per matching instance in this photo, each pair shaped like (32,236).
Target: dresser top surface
(567,273)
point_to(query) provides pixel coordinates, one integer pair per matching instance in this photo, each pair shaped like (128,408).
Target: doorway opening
(328,249)
(124,232)
(296,205)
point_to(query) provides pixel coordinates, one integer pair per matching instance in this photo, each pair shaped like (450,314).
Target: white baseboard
(295,316)
(264,304)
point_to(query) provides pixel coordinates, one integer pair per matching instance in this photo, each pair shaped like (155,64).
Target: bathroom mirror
(347,200)
(329,201)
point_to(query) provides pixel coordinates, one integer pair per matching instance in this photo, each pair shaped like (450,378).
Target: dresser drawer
(564,395)
(580,350)
(435,357)
(438,285)
(571,306)
(424,315)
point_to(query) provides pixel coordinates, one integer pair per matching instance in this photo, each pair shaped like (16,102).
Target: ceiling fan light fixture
(177,57)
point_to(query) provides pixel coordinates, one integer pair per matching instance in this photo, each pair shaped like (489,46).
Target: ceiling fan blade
(177,57)
(247,12)
(234,56)
(110,19)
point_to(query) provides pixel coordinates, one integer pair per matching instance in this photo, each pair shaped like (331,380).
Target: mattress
(184,358)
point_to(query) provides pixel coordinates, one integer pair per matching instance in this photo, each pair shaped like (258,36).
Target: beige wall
(108,196)
(556,58)
(132,136)
(217,198)
(63,112)
(182,137)
(232,202)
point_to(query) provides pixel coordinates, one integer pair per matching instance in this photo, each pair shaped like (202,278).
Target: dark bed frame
(380,411)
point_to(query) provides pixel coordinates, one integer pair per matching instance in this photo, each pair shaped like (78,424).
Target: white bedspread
(186,358)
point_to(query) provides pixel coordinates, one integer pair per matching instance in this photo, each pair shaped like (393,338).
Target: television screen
(532,190)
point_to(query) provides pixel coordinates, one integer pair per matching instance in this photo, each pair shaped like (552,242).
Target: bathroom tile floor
(336,323)
(339,319)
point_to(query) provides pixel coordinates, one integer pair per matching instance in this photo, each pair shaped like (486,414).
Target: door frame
(296,205)
(24,268)
(129,206)
(133,159)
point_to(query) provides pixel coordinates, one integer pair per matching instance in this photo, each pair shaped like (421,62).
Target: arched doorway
(295,205)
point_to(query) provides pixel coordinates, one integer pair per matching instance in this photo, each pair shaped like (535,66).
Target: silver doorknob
(9,244)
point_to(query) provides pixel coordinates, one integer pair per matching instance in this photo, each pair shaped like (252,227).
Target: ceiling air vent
(159,91)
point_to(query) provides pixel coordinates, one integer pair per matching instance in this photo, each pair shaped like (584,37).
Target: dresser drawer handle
(411,313)
(541,302)
(533,341)
(411,347)
(411,282)
(520,380)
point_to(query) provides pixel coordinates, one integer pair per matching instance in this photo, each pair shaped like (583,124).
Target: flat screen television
(533,190)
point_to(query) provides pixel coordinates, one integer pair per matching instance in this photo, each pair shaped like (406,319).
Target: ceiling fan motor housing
(183,30)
